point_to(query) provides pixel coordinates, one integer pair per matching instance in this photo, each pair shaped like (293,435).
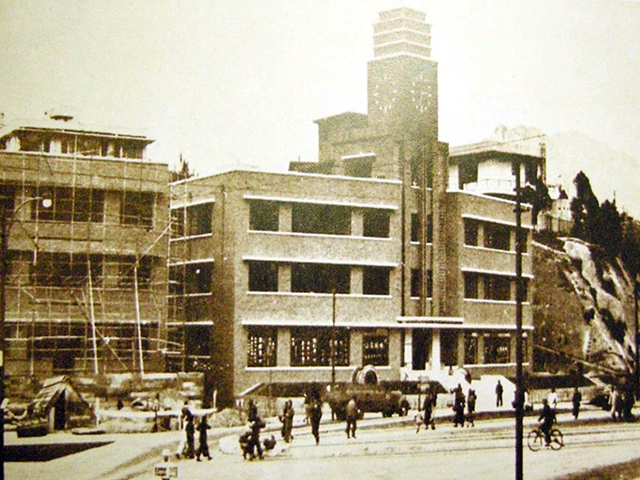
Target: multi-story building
(86,219)
(368,247)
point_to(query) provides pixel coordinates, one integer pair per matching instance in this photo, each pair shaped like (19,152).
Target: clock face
(385,94)
(422,93)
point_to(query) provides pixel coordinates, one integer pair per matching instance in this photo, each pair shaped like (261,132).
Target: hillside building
(86,218)
(371,246)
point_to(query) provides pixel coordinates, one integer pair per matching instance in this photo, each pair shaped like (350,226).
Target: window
(137,208)
(198,277)
(470,348)
(415,227)
(375,350)
(65,269)
(127,267)
(32,142)
(263,276)
(262,347)
(497,287)
(321,219)
(69,204)
(263,216)
(7,198)
(524,236)
(176,280)
(470,285)
(497,236)
(429,228)
(199,219)
(470,232)
(320,278)
(497,348)
(198,340)
(416,283)
(177,222)
(375,280)
(311,347)
(376,223)
(131,149)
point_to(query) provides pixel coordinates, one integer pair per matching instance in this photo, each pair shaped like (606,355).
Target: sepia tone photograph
(319,239)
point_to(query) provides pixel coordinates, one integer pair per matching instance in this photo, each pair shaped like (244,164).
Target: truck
(369,397)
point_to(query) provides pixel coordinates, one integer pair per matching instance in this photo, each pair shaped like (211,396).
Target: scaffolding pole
(93,321)
(138,327)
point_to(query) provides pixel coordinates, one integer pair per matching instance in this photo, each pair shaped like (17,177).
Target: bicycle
(536,440)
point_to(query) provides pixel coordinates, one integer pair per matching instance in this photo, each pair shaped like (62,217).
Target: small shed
(60,404)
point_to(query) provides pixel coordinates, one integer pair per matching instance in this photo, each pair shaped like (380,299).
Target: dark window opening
(429,228)
(320,278)
(65,269)
(263,215)
(177,222)
(199,219)
(497,287)
(376,223)
(198,340)
(375,280)
(321,219)
(176,280)
(137,208)
(415,227)
(263,276)
(470,348)
(375,350)
(470,285)
(470,232)
(127,267)
(497,348)
(497,236)
(198,277)
(524,237)
(7,199)
(131,149)
(311,347)
(262,347)
(67,204)
(33,142)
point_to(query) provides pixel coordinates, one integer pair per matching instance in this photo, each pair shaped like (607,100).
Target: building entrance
(421,348)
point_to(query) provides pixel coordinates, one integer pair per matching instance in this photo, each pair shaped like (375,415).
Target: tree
(630,245)
(537,195)
(183,171)
(608,233)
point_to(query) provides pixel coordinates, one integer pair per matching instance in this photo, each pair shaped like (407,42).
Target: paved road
(447,453)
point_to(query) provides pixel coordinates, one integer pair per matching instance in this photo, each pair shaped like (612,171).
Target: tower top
(402,31)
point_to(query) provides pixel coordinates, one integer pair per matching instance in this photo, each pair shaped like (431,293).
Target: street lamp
(519,400)
(7,219)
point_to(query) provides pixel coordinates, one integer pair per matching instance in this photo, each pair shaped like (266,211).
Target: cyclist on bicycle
(547,416)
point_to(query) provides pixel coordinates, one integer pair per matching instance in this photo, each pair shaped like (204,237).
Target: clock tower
(402,77)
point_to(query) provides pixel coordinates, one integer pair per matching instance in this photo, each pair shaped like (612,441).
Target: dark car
(370,398)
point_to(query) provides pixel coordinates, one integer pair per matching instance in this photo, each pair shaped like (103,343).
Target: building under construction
(85,216)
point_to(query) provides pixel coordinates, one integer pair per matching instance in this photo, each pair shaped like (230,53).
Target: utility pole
(519,403)
(4,264)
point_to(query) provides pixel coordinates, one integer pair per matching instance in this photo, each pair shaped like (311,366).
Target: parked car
(370,398)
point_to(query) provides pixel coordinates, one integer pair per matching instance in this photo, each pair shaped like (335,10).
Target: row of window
(318,278)
(84,205)
(311,347)
(190,278)
(318,219)
(496,236)
(495,287)
(65,269)
(81,145)
(192,220)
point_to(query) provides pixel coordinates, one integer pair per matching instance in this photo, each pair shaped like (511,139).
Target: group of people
(621,403)
(186,447)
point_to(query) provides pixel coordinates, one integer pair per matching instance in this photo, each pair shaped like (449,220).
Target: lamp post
(519,400)
(7,220)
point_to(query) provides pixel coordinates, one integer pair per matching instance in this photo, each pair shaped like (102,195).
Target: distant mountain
(608,170)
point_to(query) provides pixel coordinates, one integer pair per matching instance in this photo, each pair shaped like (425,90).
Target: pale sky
(241,81)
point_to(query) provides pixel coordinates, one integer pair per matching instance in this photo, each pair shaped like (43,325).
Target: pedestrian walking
(427,411)
(458,407)
(191,432)
(252,411)
(203,446)
(616,405)
(352,417)
(315,415)
(471,408)
(576,399)
(499,392)
(287,421)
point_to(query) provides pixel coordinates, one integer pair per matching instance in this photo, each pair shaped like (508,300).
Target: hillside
(583,306)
